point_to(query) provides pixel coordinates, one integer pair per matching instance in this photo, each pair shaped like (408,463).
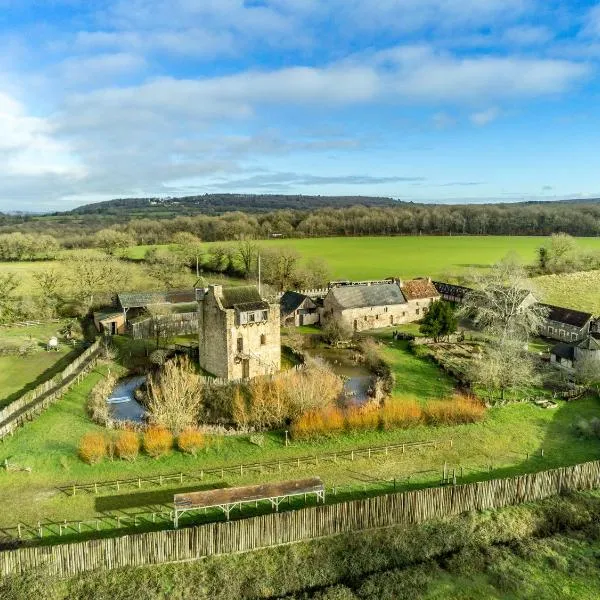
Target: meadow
(414,256)
(18,374)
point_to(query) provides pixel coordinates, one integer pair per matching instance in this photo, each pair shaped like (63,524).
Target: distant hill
(217,204)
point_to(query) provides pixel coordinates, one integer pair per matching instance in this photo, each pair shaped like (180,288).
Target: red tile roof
(416,289)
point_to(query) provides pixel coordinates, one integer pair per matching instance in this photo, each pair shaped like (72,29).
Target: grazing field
(19,374)
(411,256)
(577,290)
(507,442)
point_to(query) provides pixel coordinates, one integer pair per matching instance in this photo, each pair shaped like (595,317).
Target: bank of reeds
(396,413)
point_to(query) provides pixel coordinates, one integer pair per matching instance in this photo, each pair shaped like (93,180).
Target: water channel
(357,378)
(123,403)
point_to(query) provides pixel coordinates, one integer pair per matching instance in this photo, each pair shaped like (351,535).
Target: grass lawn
(510,440)
(577,290)
(19,374)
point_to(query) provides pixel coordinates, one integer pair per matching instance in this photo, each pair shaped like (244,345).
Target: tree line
(79,229)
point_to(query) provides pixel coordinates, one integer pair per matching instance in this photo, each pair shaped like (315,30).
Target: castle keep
(239,335)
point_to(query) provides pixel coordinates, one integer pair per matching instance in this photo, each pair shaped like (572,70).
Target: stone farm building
(565,324)
(239,334)
(299,309)
(566,355)
(374,304)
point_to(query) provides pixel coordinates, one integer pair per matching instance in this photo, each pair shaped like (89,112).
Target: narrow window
(240,344)
(263,339)
(418,311)
(265,315)
(251,317)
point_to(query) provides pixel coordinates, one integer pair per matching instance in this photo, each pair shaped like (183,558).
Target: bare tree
(281,267)
(175,395)
(8,300)
(50,283)
(587,372)
(501,303)
(247,252)
(505,366)
(160,327)
(168,268)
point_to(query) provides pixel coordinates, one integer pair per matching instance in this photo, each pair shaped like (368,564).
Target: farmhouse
(239,334)
(374,304)
(565,324)
(299,309)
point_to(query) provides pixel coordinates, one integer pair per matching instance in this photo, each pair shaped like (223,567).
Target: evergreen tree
(439,321)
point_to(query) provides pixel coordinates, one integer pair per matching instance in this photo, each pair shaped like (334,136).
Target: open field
(413,256)
(577,290)
(19,374)
(509,441)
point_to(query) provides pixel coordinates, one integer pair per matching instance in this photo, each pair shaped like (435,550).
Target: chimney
(217,290)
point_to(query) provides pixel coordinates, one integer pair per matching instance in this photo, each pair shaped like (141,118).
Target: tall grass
(398,413)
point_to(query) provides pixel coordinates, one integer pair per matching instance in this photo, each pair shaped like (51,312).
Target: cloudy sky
(433,100)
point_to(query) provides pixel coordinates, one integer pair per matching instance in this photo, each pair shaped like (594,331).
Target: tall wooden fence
(294,526)
(173,324)
(35,401)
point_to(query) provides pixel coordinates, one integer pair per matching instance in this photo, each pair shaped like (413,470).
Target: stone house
(299,309)
(566,355)
(239,332)
(110,322)
(374,304)
(565,324)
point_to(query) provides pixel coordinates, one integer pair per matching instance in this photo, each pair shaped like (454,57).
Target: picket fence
(294,526)
(35,401)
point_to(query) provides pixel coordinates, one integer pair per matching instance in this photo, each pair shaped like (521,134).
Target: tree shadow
(62,363)
(149,499)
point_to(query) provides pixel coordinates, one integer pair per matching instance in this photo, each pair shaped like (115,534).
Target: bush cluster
(398,413)
(126,444)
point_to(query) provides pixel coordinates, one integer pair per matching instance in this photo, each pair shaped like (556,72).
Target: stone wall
(375,317)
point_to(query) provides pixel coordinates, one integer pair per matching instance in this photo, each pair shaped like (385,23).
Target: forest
(233,217)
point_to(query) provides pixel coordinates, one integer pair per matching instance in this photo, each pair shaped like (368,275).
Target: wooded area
(229,217)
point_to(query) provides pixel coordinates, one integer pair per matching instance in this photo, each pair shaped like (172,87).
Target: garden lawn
(509,440)
(19,374)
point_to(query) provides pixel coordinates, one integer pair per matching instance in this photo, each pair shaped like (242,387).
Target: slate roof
(568,316)
(415,289)
(450,289)
(592,342)
(291,301)
(243,298)
(359,296)
(563,350)
(142,299)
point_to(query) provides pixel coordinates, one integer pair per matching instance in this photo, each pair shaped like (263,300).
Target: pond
(357,378)
(123,404)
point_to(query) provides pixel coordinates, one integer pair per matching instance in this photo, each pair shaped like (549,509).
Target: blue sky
(425,100)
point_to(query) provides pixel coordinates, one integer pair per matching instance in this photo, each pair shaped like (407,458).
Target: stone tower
(239,334)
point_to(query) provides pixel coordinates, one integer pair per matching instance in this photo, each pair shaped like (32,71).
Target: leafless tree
(247,252)
(175,395)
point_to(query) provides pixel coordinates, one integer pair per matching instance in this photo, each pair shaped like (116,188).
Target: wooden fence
(287,527)
(172,325)
(35,401)
(242,469)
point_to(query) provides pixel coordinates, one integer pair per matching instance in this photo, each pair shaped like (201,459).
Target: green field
(413,256)
(21,373)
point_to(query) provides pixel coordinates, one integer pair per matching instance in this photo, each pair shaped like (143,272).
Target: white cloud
(484,117)
(28,146)
(99,68)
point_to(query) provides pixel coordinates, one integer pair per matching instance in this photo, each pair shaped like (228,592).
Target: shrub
(588,429)
(308,425)
(127,445)
(401,413)
(362,418)
(457,411)
(258,439)
(333,420)
(92,448)
(190,440)
(157,441)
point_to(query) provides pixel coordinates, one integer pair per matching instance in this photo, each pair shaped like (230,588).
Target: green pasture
(413,256)
(19,374)
(507,442)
